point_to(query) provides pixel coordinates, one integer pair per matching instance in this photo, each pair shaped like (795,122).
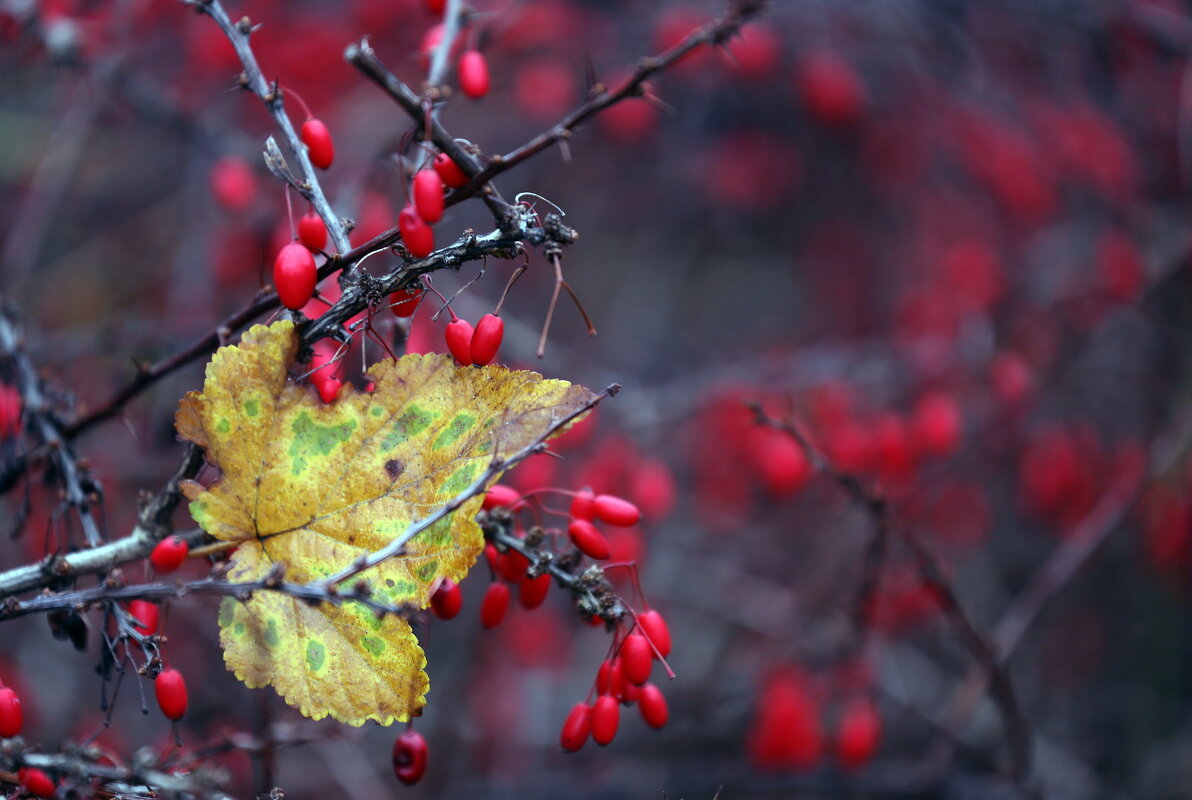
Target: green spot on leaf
(428,571)
(373,645)
(252,408)
(460,480)
(455,429)
(271,637)
(413,421)
(312,439)
(316,655)
(227,610)
(238,629)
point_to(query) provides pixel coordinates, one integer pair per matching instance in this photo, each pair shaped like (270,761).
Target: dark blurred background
(950,239)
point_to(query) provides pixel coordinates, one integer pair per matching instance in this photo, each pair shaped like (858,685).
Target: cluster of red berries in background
(788,731)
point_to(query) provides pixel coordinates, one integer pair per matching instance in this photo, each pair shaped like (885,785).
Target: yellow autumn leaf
(315,486)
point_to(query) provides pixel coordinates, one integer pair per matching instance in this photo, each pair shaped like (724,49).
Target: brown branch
(114,591)
(362,56)
(716,32)
(253,79)
(152,526)
(1000,687)
(42,421)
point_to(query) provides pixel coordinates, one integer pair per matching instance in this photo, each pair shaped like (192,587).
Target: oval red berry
(653,706)
(428,195)
(576,728)
(486,339)
(294,275)
(494,605)
(146,615)
(459,341)
(169,554)
(11,717)
(318,143)
(615,511)
(590,541)
(473,74)
(447,600)
(170,689)
(409,757)
(36,782)
(654,626)
(449,171)
(418,237)
(637,657)
(312,232)
(606,715)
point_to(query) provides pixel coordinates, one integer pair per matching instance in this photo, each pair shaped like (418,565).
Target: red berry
(512,566)
(318,142)
(606,715)
(36,782)
(409,757)
(404,303)
(654,626)
(532,591)
(576,727)
(486,339)
(449,171)
(608,677)
(436,6)
(294,275)
(447,600)
(419,238)
(630,692)
(428,195)
(637,657)
(590,541)
(10,713)
(10,411)
(860,730)
(169,554)
(830,88)
(494,605)
(329,389)
(501,495)
(312,232)
(653,706)
(654,488)
(459,340)
(616,511)
(473,74)
(937,424)
(170,689)
(146,615)
(491,556)
(581,505)
(233,183)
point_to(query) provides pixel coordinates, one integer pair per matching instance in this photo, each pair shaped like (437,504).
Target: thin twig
(238,34)
(1000,686)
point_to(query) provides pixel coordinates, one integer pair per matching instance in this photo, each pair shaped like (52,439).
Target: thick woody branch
(152,525)
(113,591)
